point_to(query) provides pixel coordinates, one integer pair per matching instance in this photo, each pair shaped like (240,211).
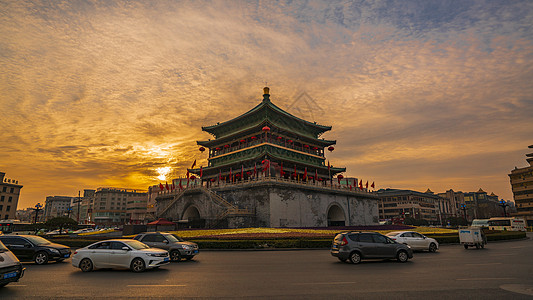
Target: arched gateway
(336,216)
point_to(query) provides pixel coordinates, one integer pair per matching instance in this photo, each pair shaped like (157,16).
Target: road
(501,270)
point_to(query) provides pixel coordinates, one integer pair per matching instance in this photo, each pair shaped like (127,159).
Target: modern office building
(57,206)
(396,203)
(109,205)
(522,187)
(9,197)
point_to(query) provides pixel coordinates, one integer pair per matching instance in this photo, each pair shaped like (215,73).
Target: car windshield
(394,233)
(3,248)
(177,238)
(136,245)
(37,240)
(173,238)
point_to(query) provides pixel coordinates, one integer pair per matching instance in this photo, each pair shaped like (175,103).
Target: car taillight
(344,241)
(393,239)
(75,252)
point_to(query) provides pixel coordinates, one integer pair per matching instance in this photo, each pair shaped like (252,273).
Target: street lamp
(503,204)
(37,208)
(69,210)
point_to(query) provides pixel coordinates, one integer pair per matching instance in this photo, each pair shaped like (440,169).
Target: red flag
(187,173)
(361,184)
(281,170)
(193,164)
(230,177)
(295,175)
(161,186)
(255,169)
(339,179)
(372,186)
(172,187)
(201,172)
(305,174)
(355,183)
(166,183)
(219,175)
(350,186)
(367,184)
(181,187)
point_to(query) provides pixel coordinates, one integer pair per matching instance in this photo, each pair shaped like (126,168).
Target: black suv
(356,246)
(32,247)
(176,246)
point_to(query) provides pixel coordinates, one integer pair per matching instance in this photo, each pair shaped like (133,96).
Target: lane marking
(487,264)
(154,285)
(474,279)
(315,283)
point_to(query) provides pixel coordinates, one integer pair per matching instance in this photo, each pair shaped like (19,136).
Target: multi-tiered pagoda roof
(266,136)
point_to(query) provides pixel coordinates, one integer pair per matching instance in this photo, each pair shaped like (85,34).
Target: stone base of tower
(268,203)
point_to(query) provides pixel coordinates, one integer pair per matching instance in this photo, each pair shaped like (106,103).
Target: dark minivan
(355,246)
(36,248)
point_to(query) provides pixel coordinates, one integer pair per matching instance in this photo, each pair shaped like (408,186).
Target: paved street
(502,270)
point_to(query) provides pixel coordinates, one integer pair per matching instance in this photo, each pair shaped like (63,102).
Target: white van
(11,269)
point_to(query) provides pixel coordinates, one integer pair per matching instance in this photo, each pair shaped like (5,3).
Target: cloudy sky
(420,94)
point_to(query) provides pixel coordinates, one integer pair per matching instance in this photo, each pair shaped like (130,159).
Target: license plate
(166,259)
(66,255)
(10,275)
(195,251)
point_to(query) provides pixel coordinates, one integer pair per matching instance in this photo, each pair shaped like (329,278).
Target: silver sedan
(119,253)
(415,240)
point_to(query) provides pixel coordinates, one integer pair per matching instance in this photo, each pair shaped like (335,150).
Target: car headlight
(187,247)
(157,254)
(54,250)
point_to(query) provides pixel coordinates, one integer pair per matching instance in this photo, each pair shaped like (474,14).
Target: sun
(163,172)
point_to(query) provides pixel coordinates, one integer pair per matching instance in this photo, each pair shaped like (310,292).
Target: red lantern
(331,148)
(217,148)
(279,137)
(253,137)
(340,176)
(266,128)
(226,146)
(243,141)
(315,148)
(289,141)
(248,173)
(202,149)
(193,177)
(213,179)
(306,146)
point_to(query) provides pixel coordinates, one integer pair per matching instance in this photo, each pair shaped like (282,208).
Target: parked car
(176,246)
(356,246)
(56,232)
(36,248)
(11,269)
(416,240)
(84,230)
(119,253)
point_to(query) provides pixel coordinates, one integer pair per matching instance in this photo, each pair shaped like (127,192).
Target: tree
(60,222)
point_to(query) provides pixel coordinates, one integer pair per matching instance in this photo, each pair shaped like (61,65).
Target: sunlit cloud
(419,93)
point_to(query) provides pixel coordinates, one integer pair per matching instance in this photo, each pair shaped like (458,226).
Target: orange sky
(420,94)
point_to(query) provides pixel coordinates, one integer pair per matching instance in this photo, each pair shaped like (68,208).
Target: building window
(4,189)
(8,208)
(6,217)
(1,207)
(9,199)
(12,190)
(2,198)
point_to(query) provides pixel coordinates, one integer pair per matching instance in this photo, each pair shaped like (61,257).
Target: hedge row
(289,243)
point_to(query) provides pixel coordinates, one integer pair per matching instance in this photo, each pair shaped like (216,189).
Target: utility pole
(503,204)
(79,200)
(463,207)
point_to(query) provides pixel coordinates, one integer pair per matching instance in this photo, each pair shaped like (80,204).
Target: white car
(84,230)
(119,253)
(415,240)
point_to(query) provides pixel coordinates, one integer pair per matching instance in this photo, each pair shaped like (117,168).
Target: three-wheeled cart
(472,237)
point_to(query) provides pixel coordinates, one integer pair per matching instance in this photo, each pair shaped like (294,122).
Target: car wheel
(41,258)
(137,265)
(355,258)
(402,256)
(466,246)
(482,245)
(432,247)
(86,265)
(175,255)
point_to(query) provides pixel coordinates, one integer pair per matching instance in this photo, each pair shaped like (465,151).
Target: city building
(455,202)
(109,205)
(267,168)
(26,215)
(57,206)
(396,203)
(480,205)
(9,197)
(522,187)
(86,207)
(136,209)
